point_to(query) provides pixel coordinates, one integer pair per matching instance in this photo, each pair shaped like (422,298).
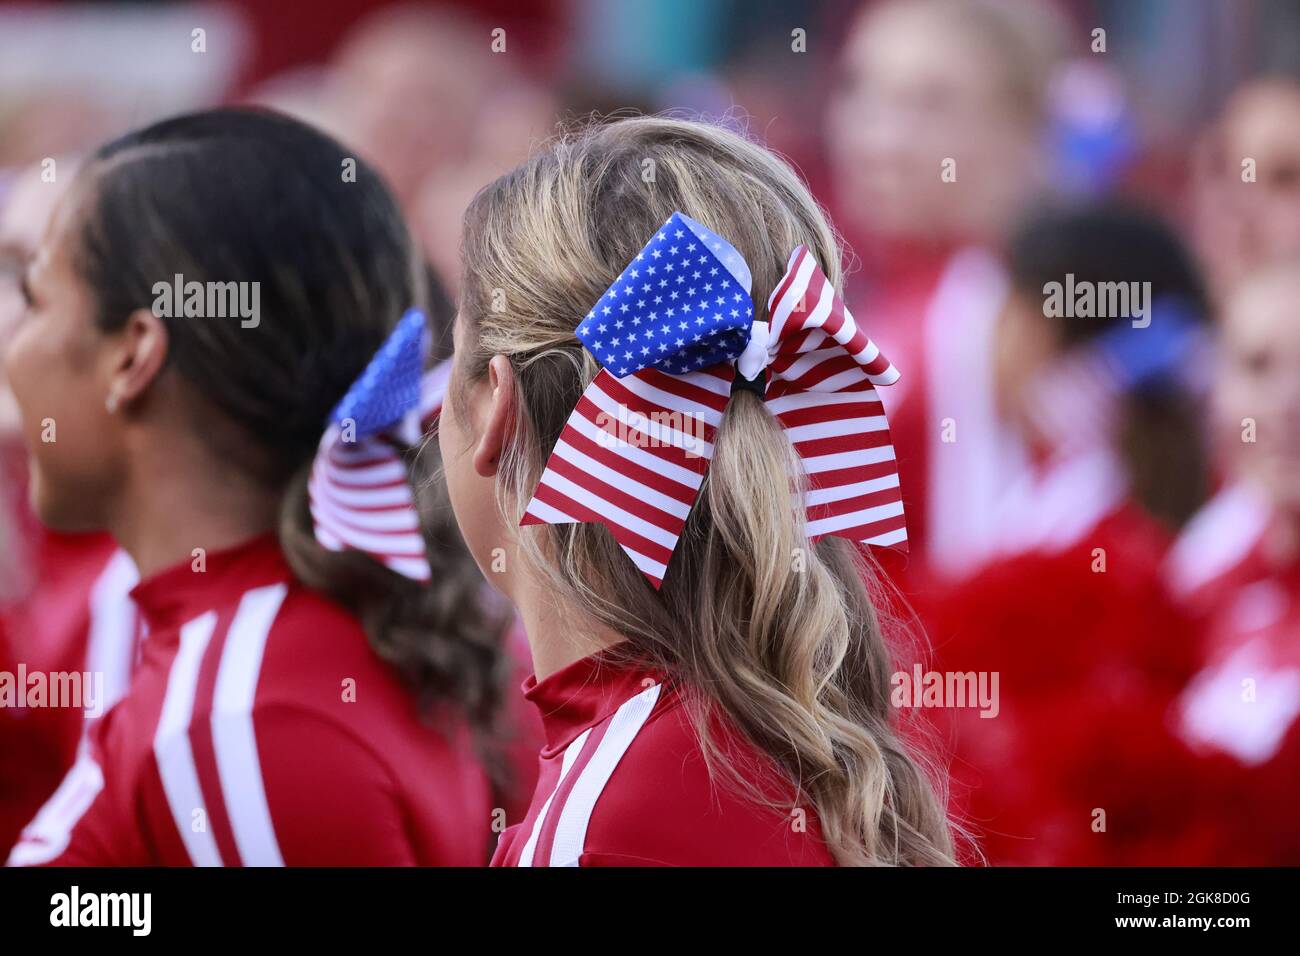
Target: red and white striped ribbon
(360,496)
(824,372)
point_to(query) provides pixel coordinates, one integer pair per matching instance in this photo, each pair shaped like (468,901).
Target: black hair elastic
(757,384)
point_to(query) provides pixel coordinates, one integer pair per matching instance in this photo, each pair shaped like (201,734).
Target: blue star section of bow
(390,385)
(681,305)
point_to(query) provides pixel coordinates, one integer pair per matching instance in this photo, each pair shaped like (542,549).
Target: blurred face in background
(410,83)
(1259,379)
(1242,225)
(514,119)
(919,86)
(23,217)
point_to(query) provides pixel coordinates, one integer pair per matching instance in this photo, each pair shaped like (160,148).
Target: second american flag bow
(673,332)
(361,498)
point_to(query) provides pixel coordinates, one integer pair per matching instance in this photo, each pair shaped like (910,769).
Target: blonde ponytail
(779,634)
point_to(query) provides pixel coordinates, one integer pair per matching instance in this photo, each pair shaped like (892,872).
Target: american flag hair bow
(360,496)
(674,332)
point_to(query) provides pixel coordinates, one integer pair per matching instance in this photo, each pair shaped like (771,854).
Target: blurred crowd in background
(1103,513)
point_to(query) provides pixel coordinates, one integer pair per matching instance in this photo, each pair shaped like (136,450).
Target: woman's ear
(502,396)
(137,358)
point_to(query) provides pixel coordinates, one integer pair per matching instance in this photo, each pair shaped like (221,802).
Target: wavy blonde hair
(781,634)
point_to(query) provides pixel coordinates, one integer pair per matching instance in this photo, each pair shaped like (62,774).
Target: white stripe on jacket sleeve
(234,741)
(571,754)
(575,815)
(171,742)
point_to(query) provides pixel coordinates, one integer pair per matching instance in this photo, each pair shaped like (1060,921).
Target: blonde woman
(724,700)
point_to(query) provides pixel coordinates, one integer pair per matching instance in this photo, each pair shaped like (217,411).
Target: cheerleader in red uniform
(220,328)
(709,669)
(1241,712)
(930,90)
(1078,765)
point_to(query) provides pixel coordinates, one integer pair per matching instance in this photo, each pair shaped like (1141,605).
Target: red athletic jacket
(77,618)
(1240,714)
(260,729)
(623,783)
(1079,766)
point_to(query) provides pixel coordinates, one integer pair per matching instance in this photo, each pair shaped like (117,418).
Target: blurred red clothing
(624,782)
(76,618)
(1079,766)
(228,750)
(1240,713)
(933,312)
(1207,559)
